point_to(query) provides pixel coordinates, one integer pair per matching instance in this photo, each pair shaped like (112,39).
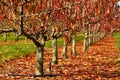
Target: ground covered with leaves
(97,63)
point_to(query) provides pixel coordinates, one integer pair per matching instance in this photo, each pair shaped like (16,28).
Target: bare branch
(7,30)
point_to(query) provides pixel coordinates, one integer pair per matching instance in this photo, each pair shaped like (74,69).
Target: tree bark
(39,56)
(39,60)
(73,44)
(64,50)
(85,44)
(90,37)
(54,51)
(17,36)
(5,37)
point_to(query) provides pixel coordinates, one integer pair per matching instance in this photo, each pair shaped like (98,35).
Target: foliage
(40,20)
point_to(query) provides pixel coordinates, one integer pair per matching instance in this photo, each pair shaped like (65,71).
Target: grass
(61,41)
(117,38)
(10,37)
(20,49)
(13,51)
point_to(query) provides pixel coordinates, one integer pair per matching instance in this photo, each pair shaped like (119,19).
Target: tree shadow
(34,75)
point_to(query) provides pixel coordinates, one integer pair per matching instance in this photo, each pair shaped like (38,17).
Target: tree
(34,32)
(95,13)
(42,20)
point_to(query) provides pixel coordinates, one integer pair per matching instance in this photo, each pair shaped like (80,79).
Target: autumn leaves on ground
(97,63)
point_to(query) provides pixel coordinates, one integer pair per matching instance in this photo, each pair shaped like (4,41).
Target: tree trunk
(85,44)
(17,36)
(39,56)
(64,50)
(91,40)
(5,37)
(40,42)
(73,44)
(54,51)
(90,36)
(39,60)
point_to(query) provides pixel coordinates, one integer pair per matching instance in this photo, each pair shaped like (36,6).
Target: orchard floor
(97,63)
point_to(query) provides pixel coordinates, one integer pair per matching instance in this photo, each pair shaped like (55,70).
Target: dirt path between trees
(97,63)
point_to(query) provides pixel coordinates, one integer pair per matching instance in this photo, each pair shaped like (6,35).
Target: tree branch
(4,3)
(7,30)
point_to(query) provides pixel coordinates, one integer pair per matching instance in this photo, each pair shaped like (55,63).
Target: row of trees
(42,20)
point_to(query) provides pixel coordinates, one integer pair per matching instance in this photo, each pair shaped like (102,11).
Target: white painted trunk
(54,51)
(39,61)
(85,44)
(5,36)
(64,50)
(89,33)
(73,44)
(17,37)
(91,42)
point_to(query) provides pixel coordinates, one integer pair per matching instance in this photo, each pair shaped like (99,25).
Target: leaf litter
(97,63)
